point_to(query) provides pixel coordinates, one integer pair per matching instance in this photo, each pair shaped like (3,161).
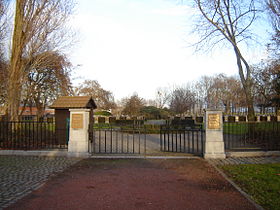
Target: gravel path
(20,175)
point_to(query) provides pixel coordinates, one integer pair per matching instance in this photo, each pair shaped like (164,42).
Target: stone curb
(247,196)
(253,154)
(50,153)
(145,157)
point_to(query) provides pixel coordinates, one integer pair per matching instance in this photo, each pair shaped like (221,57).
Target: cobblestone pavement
(20,175)
(245,160)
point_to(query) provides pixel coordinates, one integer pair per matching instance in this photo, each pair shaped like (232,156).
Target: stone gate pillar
(79,138)
(214,143)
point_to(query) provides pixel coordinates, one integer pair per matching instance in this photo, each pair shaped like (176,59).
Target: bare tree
(220,91)
(4,24)
(203,88)
(182,99)
(162,97)
(46,81)
(103,98)
(274,12)
(229,22)
(229,92)
(3,63)
(3,83)
(267,84)
(38,28)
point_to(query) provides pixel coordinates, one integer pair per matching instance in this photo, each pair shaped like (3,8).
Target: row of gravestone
(185,121)
(114,120)
(244,118)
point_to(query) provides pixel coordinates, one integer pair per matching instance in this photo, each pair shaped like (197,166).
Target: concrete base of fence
(253,154)
(79,154)
(142,157)
(51,153)
(217,149)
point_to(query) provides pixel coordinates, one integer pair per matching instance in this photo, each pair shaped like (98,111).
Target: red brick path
(136,184)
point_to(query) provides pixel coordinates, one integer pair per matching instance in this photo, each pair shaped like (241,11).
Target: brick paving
(20,175)
(245,160)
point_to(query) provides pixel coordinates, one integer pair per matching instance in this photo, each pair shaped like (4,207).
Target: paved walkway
(246,160)
(127,184)
(118,184)
(20,175)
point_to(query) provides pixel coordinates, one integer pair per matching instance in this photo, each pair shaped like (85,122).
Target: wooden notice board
(77,121)
(214,121)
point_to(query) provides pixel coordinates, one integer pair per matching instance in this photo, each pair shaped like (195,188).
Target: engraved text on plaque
(77,121)
(214,121)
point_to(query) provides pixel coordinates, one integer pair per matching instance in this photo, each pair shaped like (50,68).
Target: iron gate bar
(111,132)
(194,138)
(122,139)
(202,143)
(139,142)
(184,141)
(133,142)
(117,137)
(145,141)
(189,142)
(192,142)
(122,142)
(197,142)
(127,143)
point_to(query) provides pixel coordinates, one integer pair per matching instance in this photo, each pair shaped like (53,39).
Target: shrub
(102,113)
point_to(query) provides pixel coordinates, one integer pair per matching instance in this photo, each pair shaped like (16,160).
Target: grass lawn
(261,181)
(244,127)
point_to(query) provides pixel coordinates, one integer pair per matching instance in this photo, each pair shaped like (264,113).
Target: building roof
(73,102)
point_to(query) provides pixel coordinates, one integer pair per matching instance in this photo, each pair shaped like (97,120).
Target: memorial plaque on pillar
(77,121)
(214,121)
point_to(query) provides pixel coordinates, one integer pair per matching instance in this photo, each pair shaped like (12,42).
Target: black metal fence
(30,135)
(183,140)
(252,136)
(111,139)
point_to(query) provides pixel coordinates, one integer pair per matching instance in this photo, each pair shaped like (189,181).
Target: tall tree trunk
(15,68)
(250,104)
(227,107)
(40,110)
(246,83)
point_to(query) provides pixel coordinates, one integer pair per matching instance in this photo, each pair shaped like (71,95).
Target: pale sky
(139,45)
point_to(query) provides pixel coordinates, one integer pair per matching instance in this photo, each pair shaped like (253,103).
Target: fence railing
(31,135)
(109,139)
(252,136)
(183,140)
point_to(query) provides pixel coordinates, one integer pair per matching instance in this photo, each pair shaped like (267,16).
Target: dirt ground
(136,184)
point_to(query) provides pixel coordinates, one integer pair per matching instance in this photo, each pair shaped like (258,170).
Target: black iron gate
(129,140)
(110,139)
(182,140)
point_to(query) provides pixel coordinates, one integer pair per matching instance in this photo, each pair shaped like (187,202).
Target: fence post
(214,142)
(79,137)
